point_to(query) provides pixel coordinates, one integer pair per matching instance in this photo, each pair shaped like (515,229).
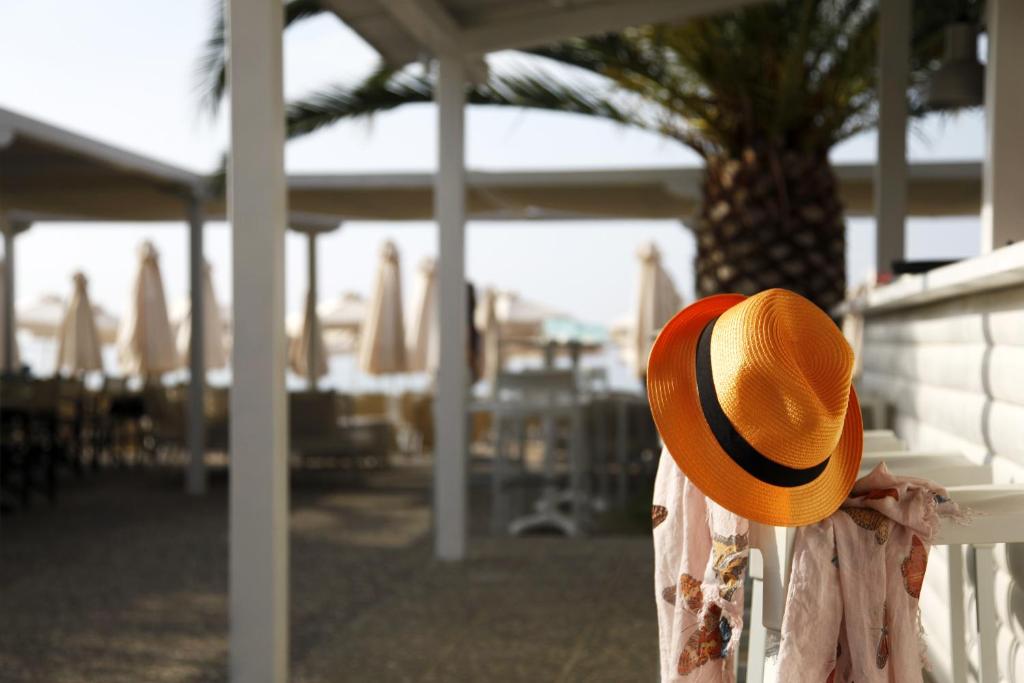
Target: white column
(1002,206)
(311,299)
(258,572)
(8,303)
(890,188)
(195,480)
(450,461)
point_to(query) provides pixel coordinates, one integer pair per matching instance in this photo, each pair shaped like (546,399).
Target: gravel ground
(124,579)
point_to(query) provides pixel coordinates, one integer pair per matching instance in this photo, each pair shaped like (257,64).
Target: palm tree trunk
(772,218)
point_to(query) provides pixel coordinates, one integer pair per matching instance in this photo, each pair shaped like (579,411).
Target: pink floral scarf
(700,558)
(852,604)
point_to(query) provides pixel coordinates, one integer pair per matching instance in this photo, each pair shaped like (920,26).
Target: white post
(311,299)
(8,303)
(450,520)
(1002,206)
(890,188)
(195,483)
(258,572)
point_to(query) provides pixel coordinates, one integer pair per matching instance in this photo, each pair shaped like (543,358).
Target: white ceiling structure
(50,173)
(403,31)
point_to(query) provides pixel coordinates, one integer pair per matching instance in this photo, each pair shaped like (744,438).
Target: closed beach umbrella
(214,349)
(78,340)
(487,323)
(145,345)
(423,330)
(657,301)
(15,358)
(853,326)
(382,345)
(298,347)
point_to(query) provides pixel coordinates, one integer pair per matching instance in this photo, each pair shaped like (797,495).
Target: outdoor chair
(318,437)
(39,436)
(95,427)
(127,414)
(165,413)
(997,517)
(216,406)
(375,405)
(22,462)
(415,421)
(552,397)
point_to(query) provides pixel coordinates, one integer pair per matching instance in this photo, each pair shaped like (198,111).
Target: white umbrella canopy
(298,346)
(15,356)
(340,319)
(382,343)
(345,312)
(44,317)
(78,340)
(424,332)
(145,344)
(517,319)
(657,301)
(215,354)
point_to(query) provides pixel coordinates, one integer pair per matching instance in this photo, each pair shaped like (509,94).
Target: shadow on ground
(124,579)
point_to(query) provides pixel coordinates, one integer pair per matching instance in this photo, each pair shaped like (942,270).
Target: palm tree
(761,94)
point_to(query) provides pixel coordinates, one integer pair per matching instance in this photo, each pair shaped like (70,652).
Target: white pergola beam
(450,456)
(1002,205)
(258,571)
(540,28)
(433,27)
(891,172)
(429,23)
(195,479)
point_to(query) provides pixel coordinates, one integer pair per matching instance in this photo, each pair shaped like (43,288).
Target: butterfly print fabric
(700,559)
(852,604)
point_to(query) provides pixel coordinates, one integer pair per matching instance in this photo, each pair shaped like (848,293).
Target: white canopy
(382,344)
(145,344)
(44,316)
(340,321)
(345,312)
(423,332)
(214,347)
(517,318)
(78,341)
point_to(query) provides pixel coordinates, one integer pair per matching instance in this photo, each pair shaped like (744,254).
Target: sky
(123,71)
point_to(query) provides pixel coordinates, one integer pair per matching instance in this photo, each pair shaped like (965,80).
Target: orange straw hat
(754,400)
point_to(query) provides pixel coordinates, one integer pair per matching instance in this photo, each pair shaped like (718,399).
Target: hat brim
(675,405)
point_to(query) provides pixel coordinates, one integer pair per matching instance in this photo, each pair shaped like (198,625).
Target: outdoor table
(547,512)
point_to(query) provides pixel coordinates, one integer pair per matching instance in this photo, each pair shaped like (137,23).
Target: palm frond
(387,89)
(211,67)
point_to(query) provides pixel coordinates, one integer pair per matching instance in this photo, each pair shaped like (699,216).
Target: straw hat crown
(782,371)
(753,399)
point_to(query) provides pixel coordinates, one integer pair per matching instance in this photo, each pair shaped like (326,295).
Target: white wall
(954,371)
